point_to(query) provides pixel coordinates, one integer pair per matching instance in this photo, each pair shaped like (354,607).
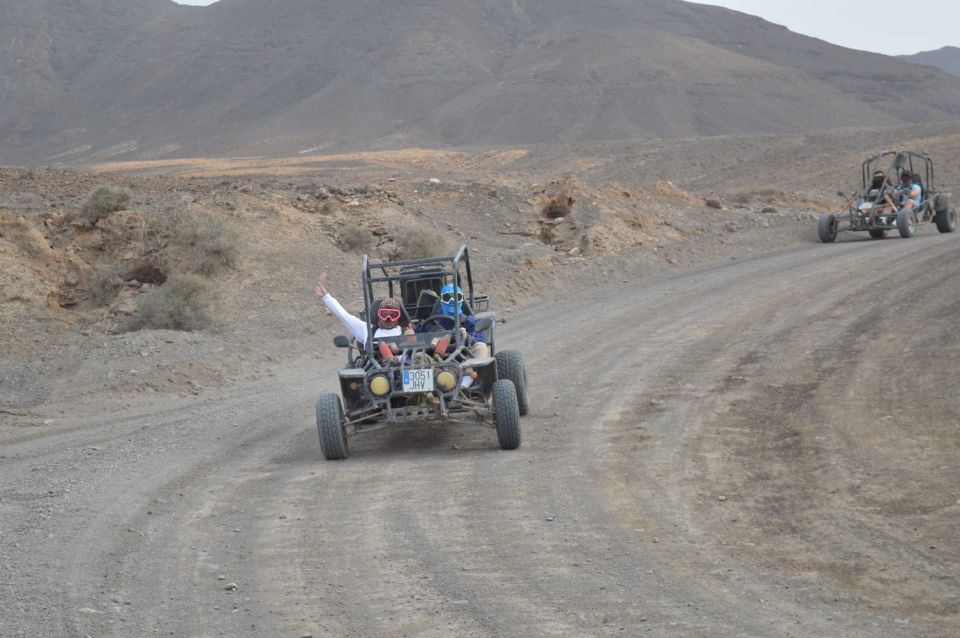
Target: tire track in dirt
(409,528)
(606,521)
(755,443)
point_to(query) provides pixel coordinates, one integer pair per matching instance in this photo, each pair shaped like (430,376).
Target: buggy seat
(421,287)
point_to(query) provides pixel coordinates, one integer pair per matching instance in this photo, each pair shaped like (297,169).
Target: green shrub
(103,201)
(183,302)
(418,243)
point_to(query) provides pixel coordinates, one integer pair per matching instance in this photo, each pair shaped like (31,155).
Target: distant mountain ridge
(946,58)
(90,80)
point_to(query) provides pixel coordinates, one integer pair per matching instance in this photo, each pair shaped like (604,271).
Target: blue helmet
(451,300)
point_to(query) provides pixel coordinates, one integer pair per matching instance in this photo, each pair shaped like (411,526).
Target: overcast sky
(871,25)
(883,26)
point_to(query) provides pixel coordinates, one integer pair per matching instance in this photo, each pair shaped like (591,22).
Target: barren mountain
(85,80)
(945,58)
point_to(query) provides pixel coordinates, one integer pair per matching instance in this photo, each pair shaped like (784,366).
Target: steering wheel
(447,317)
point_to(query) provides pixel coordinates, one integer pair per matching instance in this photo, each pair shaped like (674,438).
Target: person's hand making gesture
(321,290)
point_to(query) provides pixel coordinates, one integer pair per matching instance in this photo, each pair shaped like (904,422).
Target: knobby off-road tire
(878,233)
(906,223)
(506,414)
(331,428)
(510,366)
(947,220)
(827,228)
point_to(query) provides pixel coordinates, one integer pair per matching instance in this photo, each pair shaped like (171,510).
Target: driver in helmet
(451,306)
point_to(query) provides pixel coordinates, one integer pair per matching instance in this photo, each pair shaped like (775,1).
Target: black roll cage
(407,270)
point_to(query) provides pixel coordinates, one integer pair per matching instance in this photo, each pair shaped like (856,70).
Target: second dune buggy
(874,208)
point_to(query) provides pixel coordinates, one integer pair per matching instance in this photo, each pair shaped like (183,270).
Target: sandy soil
(768,448)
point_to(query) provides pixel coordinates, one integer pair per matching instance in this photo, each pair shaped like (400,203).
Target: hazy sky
(871,25)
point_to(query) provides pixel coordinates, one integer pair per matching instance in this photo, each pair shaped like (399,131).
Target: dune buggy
(876,209)
(430,375)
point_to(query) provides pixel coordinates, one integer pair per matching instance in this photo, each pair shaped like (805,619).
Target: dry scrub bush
(206,244)
(105,284)
(560,205)
(356,238)
(185,241)
(744,196)
(183,302)
(103,201)
(418,243)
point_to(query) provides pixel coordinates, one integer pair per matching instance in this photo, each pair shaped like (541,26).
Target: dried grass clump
(418,243)
(356,239)
(184,302)
(744,196)
(101,202)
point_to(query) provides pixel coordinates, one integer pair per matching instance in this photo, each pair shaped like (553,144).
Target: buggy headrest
(428,297)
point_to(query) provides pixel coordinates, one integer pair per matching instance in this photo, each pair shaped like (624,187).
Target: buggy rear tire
(942,202)
(906,223)
(510,366)
(827,228)
(506,414)
(877,233)
(947,220)
(331,427)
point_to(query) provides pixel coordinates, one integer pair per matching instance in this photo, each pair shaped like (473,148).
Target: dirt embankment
(70,288)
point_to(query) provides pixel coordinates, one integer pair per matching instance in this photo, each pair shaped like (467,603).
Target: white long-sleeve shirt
(356,325)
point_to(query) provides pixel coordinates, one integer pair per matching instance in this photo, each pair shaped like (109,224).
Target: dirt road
(768,448)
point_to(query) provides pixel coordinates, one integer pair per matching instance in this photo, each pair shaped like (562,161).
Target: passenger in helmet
(386,322)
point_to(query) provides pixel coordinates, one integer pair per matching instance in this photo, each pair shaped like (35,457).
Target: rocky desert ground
(737,431)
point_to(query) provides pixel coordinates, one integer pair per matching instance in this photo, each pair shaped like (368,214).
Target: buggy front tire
(510,366)
(506,414)
(827,228)
(877,233)
(331,427)
(906,223)
(947,220)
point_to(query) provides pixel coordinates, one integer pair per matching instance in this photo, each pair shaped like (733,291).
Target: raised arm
(356,325)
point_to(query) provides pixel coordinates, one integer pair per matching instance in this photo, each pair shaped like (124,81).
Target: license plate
(418,380)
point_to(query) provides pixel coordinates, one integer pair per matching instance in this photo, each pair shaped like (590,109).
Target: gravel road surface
(767,448)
